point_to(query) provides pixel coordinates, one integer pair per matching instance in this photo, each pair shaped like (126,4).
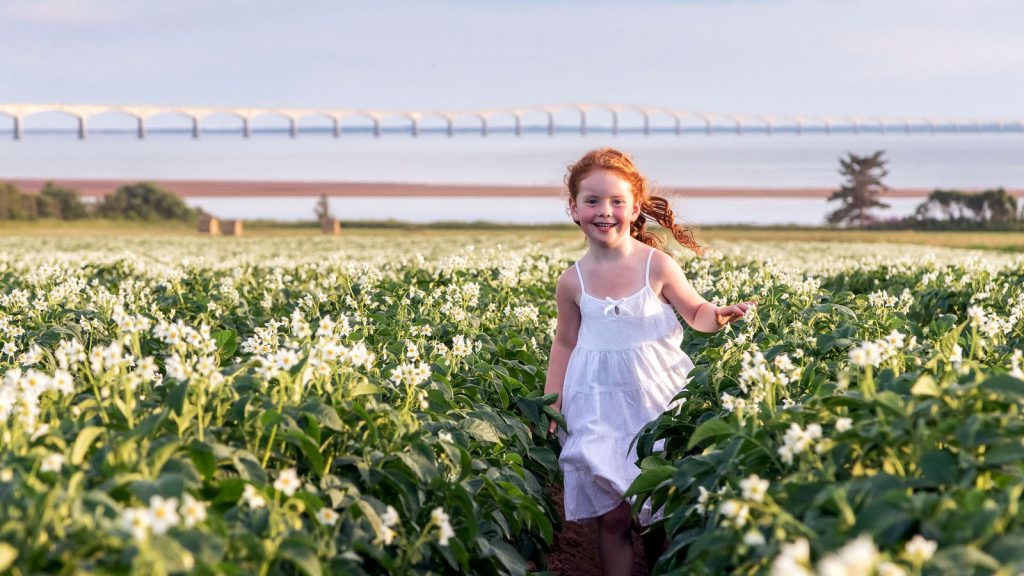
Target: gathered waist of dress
(603,341)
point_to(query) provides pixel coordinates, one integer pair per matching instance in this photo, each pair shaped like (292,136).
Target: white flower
(843,424)
(702,500)
(163,514)
(136,521)
(440,519)
(327,517)
(793,560)
(285,359)
(253,498)
(857,558)
(444,436)
(193,511)
(754,488)
(753,538)
(52,463)
(736,511)
(919,550)
(390,516)
(958,354)
(287,482)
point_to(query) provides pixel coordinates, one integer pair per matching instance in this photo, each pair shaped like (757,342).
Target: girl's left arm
(700,314)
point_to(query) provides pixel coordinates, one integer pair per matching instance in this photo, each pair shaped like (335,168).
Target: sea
(964,160)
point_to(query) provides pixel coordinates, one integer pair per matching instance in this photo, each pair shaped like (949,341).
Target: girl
(615,361)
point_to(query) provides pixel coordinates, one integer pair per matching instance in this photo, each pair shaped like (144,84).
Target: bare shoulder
(568,285)
(663,265)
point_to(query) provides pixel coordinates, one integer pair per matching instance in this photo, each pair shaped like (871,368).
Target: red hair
(653,208)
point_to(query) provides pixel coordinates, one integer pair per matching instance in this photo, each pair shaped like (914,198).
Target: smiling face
(605,207)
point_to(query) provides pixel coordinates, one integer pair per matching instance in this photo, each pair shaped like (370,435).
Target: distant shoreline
(242,189)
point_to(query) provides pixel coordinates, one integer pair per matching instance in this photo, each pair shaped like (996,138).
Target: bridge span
(514,120)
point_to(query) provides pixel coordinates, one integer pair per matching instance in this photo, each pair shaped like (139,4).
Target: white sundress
(626,368)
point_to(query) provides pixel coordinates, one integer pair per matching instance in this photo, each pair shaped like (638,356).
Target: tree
(16,205)
(57,202)
(146,201)
(860,191)
(323,211)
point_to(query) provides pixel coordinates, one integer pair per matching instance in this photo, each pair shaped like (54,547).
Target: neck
(613,252)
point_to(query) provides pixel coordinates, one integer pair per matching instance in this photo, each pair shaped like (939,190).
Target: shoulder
(568,283)
(663,264)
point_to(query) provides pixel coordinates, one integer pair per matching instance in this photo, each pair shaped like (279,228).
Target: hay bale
(330,226)
(231,227)
(209,225)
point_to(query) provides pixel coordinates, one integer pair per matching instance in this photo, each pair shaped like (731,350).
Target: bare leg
(615,541)
(654,545)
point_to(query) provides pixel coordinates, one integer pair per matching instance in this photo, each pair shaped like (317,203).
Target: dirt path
(574,551)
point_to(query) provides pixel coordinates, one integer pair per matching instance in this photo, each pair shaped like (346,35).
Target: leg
(654,545)
(615,541)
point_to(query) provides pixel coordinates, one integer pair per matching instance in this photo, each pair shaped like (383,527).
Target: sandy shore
(236,188)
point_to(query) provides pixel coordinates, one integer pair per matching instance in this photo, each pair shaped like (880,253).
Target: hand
(553,425)
(729,314)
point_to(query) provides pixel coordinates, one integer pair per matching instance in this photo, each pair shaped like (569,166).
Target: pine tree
(859,193)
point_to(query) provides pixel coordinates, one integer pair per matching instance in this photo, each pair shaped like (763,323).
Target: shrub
(59,202)
(146,201)
(16,205)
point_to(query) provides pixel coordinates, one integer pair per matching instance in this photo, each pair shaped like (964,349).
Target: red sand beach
(235,188)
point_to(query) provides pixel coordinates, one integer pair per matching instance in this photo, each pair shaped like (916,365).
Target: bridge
(514,120)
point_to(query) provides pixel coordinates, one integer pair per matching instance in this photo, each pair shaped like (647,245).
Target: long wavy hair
(652,207)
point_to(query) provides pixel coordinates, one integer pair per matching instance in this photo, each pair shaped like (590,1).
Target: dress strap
(647,275)
(580,274)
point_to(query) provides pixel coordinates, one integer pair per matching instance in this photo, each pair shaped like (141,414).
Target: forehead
(605,183)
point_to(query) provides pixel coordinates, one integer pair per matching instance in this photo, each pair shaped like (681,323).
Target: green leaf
(1004,386)
(938,466)
(325,416)
(301,554)
(649,479)
(481,430)
(86,436)
(227,343)
(710,429)
(926,386)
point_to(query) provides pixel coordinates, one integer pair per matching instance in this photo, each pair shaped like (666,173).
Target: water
(965,160)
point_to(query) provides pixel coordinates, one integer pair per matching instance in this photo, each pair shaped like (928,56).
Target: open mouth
(605,225)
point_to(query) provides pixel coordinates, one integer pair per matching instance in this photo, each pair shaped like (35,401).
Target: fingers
(552,427)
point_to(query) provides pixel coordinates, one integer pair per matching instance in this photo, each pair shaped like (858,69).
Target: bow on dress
(615,308)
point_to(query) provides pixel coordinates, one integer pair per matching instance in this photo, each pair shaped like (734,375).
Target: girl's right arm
(566,331)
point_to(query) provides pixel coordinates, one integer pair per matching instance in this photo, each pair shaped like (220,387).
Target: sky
(948,58)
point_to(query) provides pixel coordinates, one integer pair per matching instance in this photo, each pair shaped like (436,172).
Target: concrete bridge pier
(483,125)
(293,128)
(336,125)
(451,126)
(679,125)
(19,128)
(551,123)
(376,128)
(615,123)
(140,127)
(195,127)
(519,125)
(647,123)
(83,127)
(246,128)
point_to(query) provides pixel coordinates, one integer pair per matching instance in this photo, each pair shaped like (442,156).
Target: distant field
(1008,241)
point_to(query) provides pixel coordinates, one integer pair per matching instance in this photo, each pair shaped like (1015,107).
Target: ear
(636,211)
(573,211)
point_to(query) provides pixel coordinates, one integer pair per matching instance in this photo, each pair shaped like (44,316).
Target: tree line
(139,201)
(943,209)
